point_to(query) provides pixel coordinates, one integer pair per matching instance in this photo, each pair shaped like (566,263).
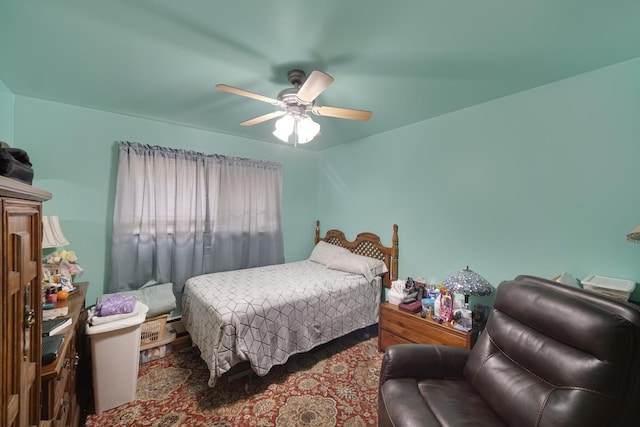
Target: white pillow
(358,264)
(325,252)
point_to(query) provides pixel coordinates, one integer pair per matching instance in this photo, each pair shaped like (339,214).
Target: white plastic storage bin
(115,352)
(615,288)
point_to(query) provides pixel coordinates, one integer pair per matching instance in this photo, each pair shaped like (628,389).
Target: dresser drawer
(387,339)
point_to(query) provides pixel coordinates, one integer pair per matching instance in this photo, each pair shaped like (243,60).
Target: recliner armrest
(423,361)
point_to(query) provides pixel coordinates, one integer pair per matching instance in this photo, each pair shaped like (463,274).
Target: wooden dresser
(398,326)
(20,302)
(59,380)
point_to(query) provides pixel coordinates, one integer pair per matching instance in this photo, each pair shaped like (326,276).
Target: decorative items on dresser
(20,302)
(60,405)
(398,326)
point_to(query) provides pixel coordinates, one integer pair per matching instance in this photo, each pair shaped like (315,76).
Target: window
(180,213)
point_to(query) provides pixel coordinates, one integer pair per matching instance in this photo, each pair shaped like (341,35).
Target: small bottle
(52,294)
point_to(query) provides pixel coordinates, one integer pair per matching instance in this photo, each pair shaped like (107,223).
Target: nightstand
(398,326)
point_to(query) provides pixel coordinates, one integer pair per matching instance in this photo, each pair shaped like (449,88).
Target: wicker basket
(153,329)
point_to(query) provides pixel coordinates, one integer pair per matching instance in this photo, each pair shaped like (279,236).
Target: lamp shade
(52,235)
(284,127)
(634,235)
(307,130)
(303,128)
(468,282)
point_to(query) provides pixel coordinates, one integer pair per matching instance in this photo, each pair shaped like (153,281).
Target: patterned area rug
(332,385)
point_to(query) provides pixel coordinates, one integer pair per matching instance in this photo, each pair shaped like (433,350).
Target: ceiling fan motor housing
(296,77)
(291,103)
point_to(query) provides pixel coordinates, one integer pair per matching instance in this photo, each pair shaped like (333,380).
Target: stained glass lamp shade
(468,282)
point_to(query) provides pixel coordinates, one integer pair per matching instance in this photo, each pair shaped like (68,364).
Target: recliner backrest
(627,414)
(554,356)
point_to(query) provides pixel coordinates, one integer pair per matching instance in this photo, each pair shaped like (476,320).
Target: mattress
(264,315)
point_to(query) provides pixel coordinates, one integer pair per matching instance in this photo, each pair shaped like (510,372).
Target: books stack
(54,326)
(52,338)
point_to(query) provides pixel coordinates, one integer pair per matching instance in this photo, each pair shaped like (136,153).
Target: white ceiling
(406,60)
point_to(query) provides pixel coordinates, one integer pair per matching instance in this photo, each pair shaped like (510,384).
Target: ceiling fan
(296,103)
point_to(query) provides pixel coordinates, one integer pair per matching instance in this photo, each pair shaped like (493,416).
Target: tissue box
(395,298)
(396,292)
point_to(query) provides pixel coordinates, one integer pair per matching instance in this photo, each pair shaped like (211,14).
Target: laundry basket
(153,329)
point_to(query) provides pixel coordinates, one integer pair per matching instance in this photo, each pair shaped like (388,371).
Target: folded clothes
(158,297)
(94,319)
(116,304)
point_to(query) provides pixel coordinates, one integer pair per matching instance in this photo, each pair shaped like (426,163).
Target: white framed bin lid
(615,288)
(139,315)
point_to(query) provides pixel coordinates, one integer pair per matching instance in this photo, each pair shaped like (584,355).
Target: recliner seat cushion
(448,403)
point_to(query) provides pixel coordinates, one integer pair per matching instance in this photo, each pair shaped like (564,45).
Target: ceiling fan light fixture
(307,130)
(304,127)
(284,127)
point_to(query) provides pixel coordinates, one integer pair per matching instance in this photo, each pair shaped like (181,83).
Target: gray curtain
(181,213)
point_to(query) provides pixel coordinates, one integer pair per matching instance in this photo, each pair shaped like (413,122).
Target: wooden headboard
(368,244)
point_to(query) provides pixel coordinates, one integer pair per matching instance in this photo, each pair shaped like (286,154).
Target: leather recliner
(550,355)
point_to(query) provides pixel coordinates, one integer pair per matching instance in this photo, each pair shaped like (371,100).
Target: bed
(264,315)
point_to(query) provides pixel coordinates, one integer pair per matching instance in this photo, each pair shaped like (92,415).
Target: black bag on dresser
(14,163)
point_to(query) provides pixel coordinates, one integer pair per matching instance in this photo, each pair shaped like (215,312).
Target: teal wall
(6,114)
(74,155)
(535,183)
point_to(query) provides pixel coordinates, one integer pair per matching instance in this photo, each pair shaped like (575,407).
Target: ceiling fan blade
(246,93)
(262,118)
(343,113)
(313,86)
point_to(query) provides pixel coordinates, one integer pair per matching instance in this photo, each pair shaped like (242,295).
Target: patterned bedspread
(266,314)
